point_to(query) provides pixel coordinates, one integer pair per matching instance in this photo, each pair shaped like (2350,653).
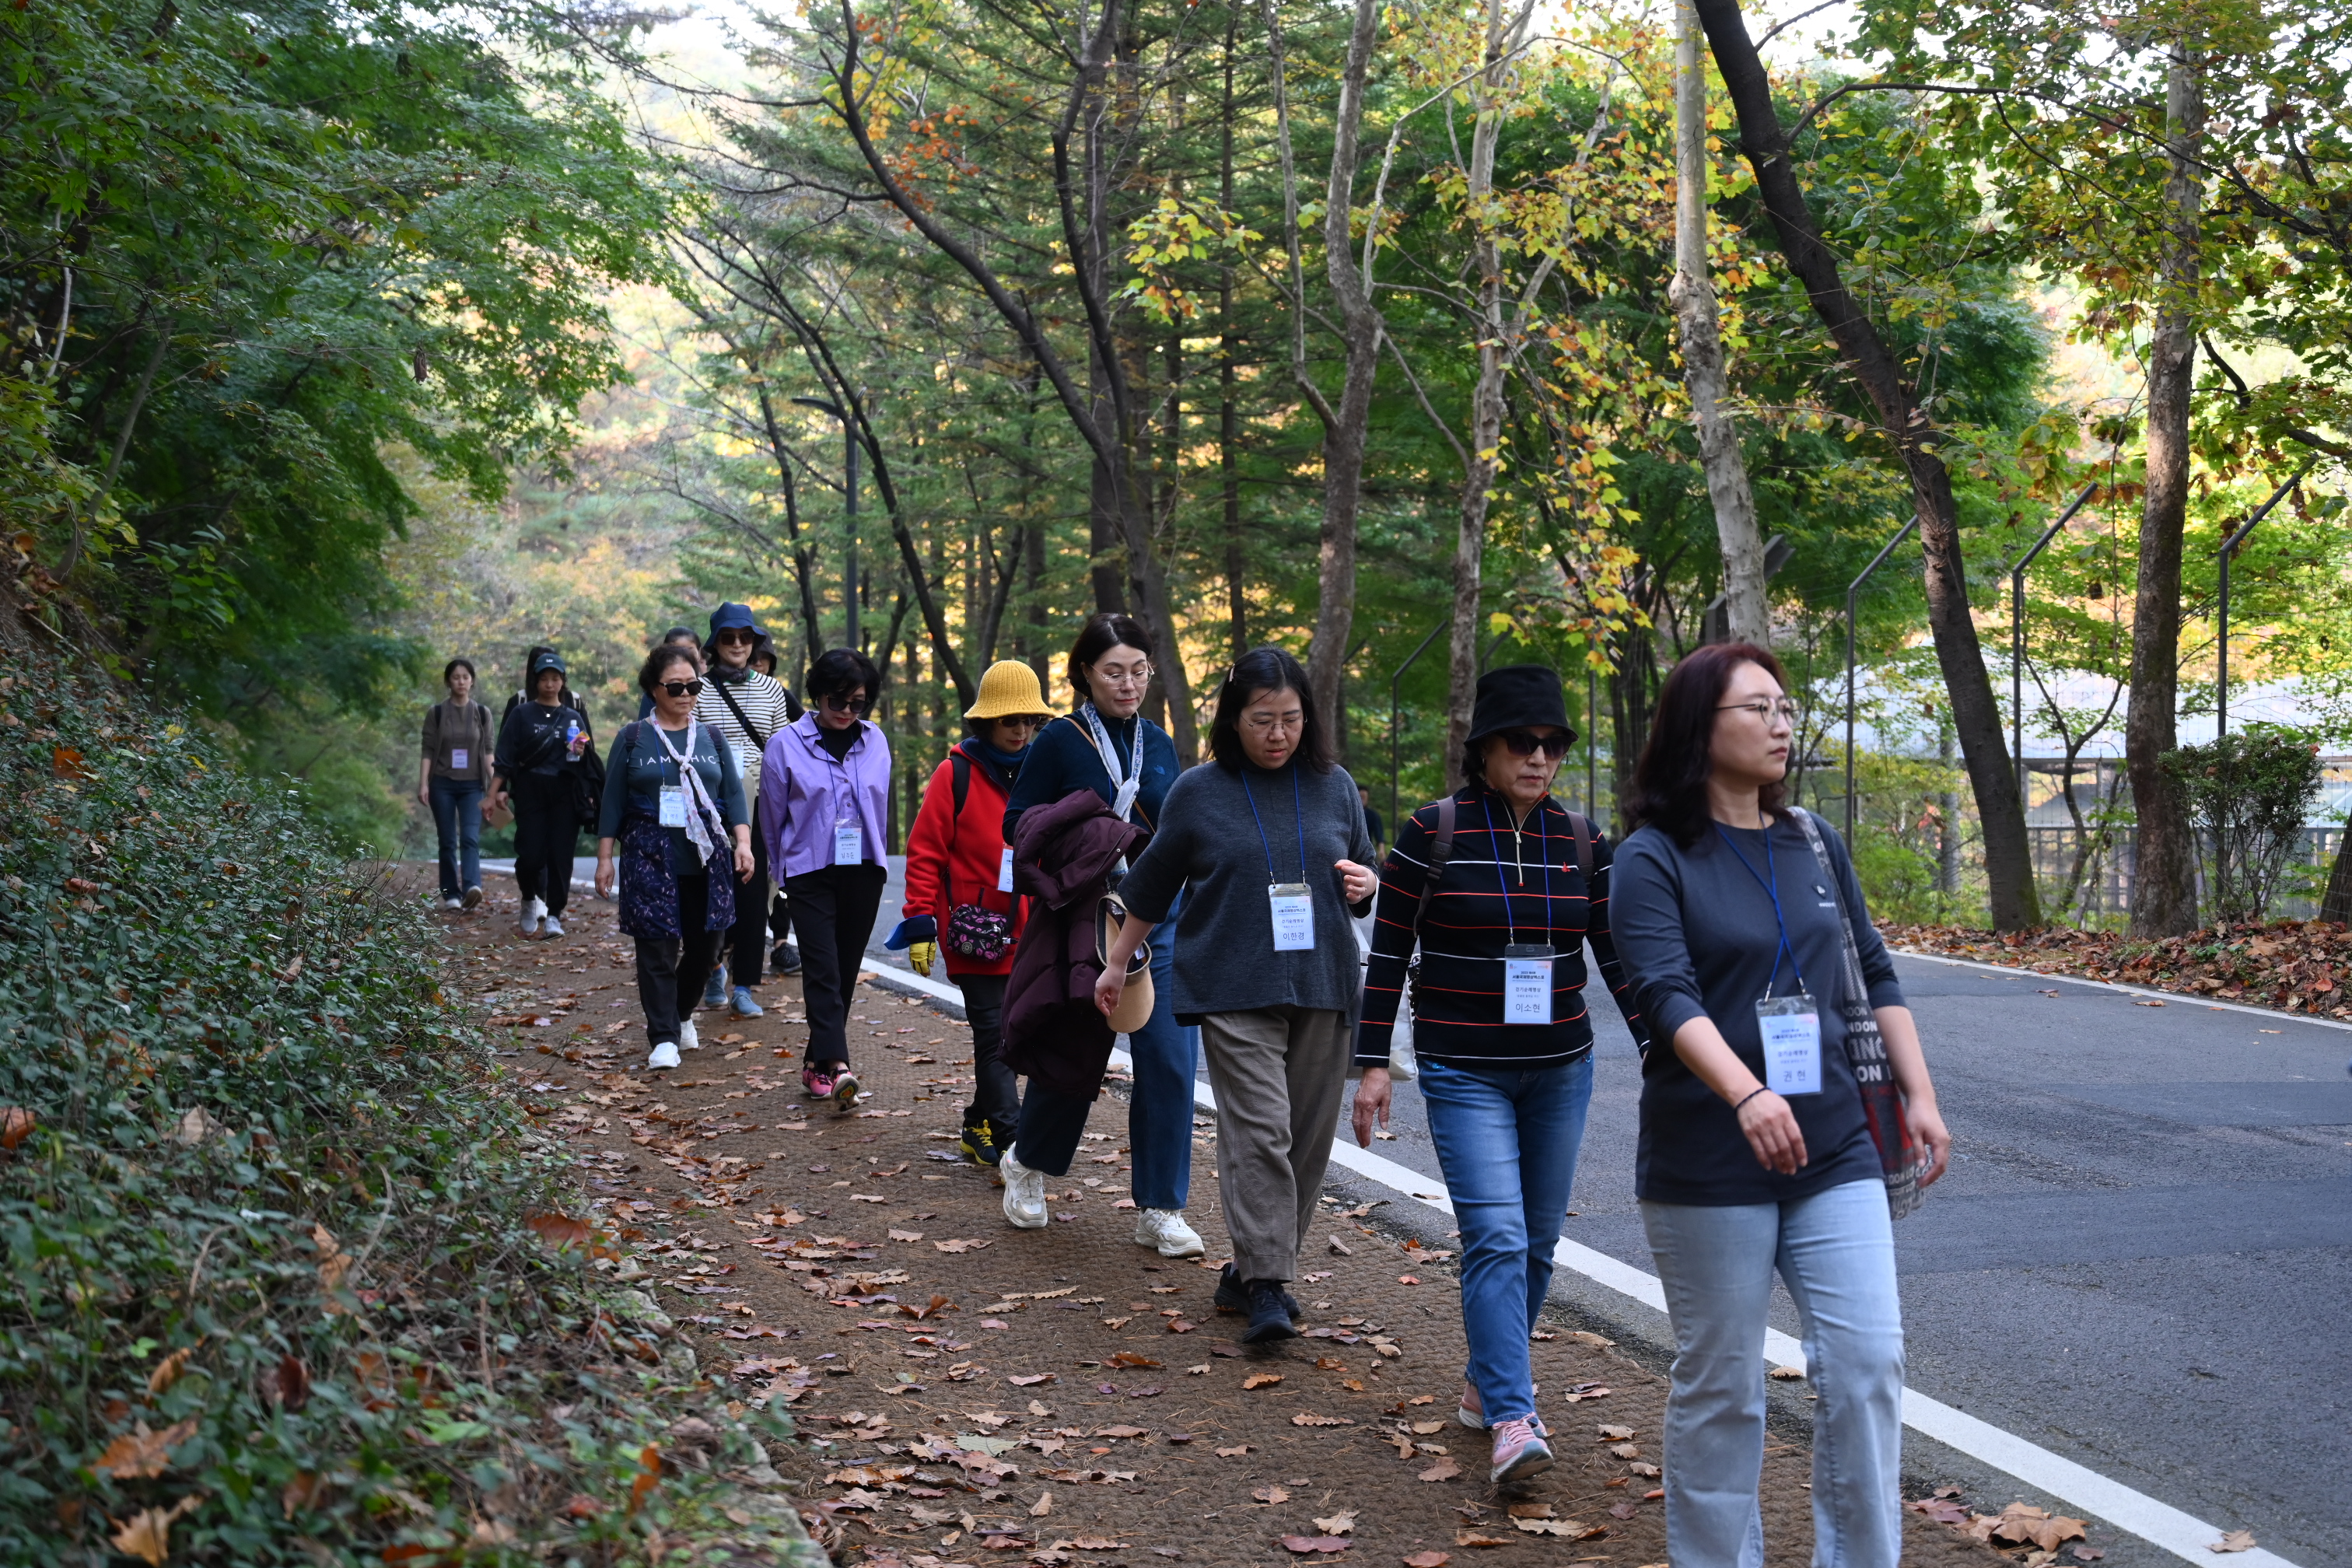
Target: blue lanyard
(1296,811)
(1543,848)
(1772,889)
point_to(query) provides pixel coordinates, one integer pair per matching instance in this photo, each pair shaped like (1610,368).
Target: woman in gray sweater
(1265,961)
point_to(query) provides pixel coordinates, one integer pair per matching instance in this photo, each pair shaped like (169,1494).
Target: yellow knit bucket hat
(1009,690)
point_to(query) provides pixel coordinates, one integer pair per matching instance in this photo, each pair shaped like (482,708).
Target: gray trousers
(1278,1073)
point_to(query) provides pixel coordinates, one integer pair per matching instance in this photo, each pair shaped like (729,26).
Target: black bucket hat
(1519,696)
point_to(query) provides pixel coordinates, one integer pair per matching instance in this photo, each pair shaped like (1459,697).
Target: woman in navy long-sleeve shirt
(1111,669)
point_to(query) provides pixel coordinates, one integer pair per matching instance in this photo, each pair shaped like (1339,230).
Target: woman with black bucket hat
(1502,886)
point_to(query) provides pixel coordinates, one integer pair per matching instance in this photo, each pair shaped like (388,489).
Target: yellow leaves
(140,1454)
(147,1535)
(167,1371)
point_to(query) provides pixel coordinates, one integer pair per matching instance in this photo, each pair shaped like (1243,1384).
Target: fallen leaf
(1473,1538)
(1623,1509)
(1199,1371)
(1235,1452)
(1339,1247)
(960,1245)
(1444,1470)
(167,1371)
(1306,1545)
(1262,1380)
(1118,1431)
(1529,1511)
(2235,1540)
(1304,1419)
(1342,1523)
(1098,1543)
(1786,1374)
(1042,1506)
(1615,1434)
(17,1125)
(1129,1358)
(147,1535)
(2086,1554)
(143,1454)
(1271,1495)
(1570,1528)
(287,1383)
(1407,1279)
(1329,1363)
(897,1235)
(1032,1380)
(1429,1560)
(559,1230)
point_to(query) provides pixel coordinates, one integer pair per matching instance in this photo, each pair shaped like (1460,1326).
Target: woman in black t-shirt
(539,747)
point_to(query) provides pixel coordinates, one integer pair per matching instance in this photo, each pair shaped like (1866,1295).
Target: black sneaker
(785,959)
(1269,1319)
(980,1146)
(1233,1296)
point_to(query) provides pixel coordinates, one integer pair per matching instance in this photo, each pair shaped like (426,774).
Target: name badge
(1294,916)
(1526,983)
(1004,871)
(673,806)
(849,844)
(1791,1027)
(460,759)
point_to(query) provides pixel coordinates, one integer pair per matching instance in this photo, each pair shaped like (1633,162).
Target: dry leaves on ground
(2235,1540)
(2301,966)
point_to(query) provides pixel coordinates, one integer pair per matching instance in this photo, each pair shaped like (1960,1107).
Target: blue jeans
(1158,1117)
(1506,1141)
(458,823)
(1835,1251)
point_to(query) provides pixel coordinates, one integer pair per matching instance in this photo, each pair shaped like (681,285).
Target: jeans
(546,836)
(1158,1117)
(1279,1073)
(1835,1251)
(995,1092)
(832,914)
(458,823)
(747,943)
(668,966)
(1506,1141)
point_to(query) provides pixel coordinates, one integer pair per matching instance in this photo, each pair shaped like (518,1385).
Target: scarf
(706,826)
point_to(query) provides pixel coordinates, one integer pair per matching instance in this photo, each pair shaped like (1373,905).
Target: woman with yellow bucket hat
(960,887)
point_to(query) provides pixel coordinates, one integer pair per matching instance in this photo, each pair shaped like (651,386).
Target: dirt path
(977,1395)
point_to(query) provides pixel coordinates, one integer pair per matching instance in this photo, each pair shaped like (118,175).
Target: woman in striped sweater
(1503,887)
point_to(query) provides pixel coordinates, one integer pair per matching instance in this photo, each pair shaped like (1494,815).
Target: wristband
(1759,1089)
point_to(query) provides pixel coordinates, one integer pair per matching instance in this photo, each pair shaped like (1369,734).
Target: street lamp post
(1853,590)
(2017,639)
(849,492)
(2229,547)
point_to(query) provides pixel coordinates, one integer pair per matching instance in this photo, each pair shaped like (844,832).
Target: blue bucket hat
(730,616)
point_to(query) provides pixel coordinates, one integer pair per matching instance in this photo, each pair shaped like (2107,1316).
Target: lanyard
(704,824)
(1123,801)
(1298,811)
(1543,848)
(1772,889)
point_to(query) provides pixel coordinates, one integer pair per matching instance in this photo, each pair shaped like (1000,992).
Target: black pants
(669,966)
(832,914)
(747,942)
(546,835)
(996,1093)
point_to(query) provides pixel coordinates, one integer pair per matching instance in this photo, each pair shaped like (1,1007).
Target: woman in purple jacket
(824,786)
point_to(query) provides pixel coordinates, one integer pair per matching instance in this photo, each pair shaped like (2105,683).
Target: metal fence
(2109,871)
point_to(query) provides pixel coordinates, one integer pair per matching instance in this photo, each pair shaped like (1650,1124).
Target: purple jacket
(804,793)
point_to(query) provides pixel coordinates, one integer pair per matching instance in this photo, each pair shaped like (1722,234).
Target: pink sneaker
(1471,1411)
(832,1081)
(1519,1451)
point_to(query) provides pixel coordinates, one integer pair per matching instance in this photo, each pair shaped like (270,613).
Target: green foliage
(2246,792)
(270,1278)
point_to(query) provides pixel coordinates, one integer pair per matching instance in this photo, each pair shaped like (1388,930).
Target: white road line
(2135,1512)
(2177,998)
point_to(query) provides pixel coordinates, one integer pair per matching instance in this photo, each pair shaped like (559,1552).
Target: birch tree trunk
(2164,884)
(1693,293)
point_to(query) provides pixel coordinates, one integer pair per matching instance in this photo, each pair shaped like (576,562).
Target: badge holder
(1792,1031)
(673,806)
(1526,981)
(848,843)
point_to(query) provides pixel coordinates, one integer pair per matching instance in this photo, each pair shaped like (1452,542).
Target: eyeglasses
(733,635)
(1139,675)
(1267,724)
(1022,721)
(682,688)
(1785,709)
(1526,743)
(837,703)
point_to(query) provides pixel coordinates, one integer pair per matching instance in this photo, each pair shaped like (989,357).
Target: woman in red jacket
(960,887)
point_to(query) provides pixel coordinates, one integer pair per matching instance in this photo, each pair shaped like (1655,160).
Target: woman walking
(1108,747)
(1771,1136)
(825,785)
(747,709)
(674,818)
(1503,887)
(959,893)
(452,776)
(540,746)
(1264,961)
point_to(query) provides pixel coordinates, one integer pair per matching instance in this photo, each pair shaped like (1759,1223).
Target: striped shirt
(1500,887)
(764,701)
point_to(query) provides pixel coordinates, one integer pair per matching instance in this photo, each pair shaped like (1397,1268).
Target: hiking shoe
(1025,1194)
(978,1144)
(1472,1411)
(1164,1230)
(473,896)
(1269,1318)
(552,927)
(1519,1451)
(785,960)
(665,1055)
(743,1004)
(687,1037)
(714,993)
(1233,1296)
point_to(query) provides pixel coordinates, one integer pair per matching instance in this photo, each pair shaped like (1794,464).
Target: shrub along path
(972,1395)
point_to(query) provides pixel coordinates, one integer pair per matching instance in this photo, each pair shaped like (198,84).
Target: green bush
(273,1284)
(2247,794)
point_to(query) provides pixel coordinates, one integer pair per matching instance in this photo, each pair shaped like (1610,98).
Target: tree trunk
(2164,882)
(1228,398)
(2335,904)
(1692,292)
(1976,718)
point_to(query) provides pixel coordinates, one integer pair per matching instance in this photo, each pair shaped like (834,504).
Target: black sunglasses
(1526,743)
(682,688)
(837,703)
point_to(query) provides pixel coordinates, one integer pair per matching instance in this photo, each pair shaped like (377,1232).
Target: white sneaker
(1165,1229)
(553,926)
(533,911)
(687,1038)
(1025,1194)
(665,1055)
(453,903)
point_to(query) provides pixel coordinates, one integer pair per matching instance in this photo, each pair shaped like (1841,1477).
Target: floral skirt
(649,887)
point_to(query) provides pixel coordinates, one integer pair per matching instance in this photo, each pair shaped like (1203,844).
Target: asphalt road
(2142,1257)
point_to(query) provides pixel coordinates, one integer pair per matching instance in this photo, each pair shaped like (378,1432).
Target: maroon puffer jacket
(1063,856)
